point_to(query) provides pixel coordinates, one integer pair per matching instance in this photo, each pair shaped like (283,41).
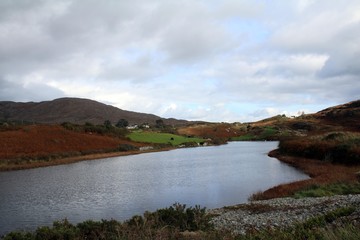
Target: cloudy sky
(231,60)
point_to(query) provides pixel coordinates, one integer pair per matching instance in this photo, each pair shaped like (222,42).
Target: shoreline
(269,210)
(320,172)
(75,159)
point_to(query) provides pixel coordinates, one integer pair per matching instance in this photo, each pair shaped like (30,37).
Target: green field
(264,134)
(164,138)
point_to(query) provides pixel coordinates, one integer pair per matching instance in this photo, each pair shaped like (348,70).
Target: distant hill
(75,110)
(347,115)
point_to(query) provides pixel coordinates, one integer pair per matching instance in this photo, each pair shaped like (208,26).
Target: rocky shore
(280,212)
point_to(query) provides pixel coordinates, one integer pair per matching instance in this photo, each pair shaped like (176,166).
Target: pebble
(278,213)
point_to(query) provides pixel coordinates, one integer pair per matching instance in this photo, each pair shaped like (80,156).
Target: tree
(159,123)
(107,124)
(122,123)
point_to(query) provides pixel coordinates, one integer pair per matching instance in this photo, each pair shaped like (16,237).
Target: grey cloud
(190,33)
(339,65)
(10,8)
(140,70)
(32,92)
(241,9)
(344,53)
(324,29)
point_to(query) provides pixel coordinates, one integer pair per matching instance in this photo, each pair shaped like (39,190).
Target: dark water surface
(121,187)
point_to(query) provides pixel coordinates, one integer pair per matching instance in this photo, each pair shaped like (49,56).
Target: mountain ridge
(75,110)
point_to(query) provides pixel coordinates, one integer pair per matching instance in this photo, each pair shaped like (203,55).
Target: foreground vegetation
(179,222)
(168,223)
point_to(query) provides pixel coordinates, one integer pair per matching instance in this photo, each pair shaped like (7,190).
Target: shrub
(176,217)
(337,147)
(164,223)
(127,147)
(107,129)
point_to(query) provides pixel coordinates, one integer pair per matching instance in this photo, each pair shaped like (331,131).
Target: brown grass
(222,130)
(45,145)
(338,147)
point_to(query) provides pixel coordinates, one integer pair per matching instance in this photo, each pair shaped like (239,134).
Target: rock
(280,213)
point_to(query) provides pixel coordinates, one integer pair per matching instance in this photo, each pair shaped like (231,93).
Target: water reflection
(121,187)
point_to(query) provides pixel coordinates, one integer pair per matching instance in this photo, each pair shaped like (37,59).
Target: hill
(345,117)
(332,134)
(75,110)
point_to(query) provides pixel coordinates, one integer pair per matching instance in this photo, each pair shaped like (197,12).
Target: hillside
(37,140)
(331,134)
(41,145)
(345,117)
(74,110)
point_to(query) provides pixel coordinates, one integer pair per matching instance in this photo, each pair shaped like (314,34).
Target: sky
(210,60)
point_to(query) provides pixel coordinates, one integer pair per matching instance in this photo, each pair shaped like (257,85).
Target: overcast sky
(231,60)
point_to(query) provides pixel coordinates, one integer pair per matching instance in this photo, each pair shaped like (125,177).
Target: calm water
(121,187)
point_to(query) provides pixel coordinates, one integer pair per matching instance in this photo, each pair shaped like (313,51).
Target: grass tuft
(328,190)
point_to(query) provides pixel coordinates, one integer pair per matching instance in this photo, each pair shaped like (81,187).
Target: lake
(120,187)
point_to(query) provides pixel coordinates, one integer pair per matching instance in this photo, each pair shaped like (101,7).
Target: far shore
(69,160)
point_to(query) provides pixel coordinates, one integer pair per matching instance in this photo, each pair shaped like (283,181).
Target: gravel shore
(280,212)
